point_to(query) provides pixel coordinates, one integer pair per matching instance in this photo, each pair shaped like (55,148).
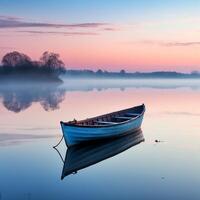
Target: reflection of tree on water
(19,98)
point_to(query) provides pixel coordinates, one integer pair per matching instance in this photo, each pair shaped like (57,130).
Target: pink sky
(148,46)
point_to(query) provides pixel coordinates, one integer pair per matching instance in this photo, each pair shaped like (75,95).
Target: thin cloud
(181,44)
(10,17)
(58,33)
(110,29)
(170,44)
(14,22)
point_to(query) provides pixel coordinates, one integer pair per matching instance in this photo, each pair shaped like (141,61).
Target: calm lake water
(31,168)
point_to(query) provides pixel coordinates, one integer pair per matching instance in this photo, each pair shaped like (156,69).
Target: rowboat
(81,156)
(102,127)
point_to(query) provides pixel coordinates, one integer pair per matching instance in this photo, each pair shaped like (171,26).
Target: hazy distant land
(128,75)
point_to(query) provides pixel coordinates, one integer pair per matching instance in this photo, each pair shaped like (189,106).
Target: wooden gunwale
(78,123)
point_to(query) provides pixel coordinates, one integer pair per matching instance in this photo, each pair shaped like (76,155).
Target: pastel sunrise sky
(135,35)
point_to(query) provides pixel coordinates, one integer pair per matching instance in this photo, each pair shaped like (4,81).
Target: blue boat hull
(77,134)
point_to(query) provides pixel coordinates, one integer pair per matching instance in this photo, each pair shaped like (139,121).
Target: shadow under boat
(82,156)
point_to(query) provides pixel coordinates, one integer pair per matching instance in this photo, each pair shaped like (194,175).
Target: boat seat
(123,118)
(132,114)
(103,122)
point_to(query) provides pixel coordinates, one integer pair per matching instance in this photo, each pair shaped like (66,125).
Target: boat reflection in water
(82,156)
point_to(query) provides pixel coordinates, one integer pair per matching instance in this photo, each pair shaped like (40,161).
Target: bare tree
(99,71)
(122,71)
(195,72)
(15,59)
(52,62)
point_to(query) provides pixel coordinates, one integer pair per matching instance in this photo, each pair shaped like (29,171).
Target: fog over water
(17,97)
(29,127)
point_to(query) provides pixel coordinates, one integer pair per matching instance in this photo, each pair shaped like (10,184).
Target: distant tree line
(123,74)
(15,63)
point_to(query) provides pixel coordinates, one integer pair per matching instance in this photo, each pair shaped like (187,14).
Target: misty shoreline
(29,78)
(45,78)
(100,74)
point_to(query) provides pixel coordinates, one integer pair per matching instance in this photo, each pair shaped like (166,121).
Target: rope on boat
(59,154)
(57,149)
(58,142)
